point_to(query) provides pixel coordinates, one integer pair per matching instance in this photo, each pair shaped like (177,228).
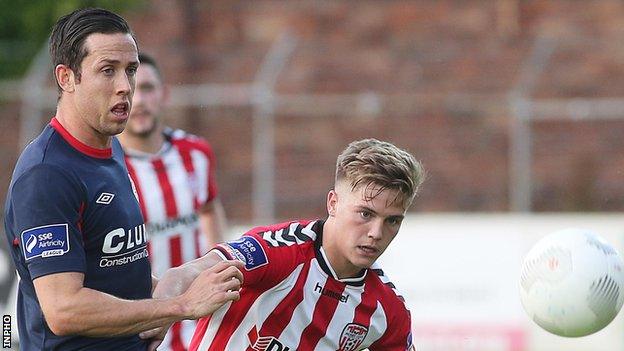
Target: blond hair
(371,162)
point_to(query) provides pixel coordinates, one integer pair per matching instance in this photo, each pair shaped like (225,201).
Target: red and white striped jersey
(171,185)
(292,300)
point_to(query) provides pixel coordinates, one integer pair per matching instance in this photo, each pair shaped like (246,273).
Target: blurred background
(515,108)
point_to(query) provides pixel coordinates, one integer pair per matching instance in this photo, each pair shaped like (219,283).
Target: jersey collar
(77,144)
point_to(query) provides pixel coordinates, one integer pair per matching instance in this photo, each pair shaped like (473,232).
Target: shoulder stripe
(295,233)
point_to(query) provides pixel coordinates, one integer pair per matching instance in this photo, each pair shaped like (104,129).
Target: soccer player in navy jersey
(314,284)
(72,218)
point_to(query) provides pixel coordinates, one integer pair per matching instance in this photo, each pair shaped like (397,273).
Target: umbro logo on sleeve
(105,198)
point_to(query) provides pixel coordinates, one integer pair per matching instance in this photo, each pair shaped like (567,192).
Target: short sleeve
(398,336)
(45,212)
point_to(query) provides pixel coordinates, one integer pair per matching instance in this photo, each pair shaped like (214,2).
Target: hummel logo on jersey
(333,294)
(105,198)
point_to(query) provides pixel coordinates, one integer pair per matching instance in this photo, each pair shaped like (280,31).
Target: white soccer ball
(572,282)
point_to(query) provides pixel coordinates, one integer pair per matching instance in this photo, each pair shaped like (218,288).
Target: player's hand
(175,281)
(212,288)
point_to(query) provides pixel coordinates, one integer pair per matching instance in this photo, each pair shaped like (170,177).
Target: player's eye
(365,214)
(131,71)
(109,71)
(393,221)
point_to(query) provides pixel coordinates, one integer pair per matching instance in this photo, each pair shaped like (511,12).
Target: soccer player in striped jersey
(314,285)
(174,175)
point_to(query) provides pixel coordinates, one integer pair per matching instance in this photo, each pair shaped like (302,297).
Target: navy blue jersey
(73,208)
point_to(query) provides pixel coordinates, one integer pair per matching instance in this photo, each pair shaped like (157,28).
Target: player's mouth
(368,250)
(121,110)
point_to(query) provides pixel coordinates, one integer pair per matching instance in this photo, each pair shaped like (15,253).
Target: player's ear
(65,78)
(332,199)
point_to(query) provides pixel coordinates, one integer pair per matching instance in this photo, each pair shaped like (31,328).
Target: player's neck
(80,130)
(339,264)
(150,144)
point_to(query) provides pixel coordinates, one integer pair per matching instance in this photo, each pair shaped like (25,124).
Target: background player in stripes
(313,285)
(71,217)
(174,174)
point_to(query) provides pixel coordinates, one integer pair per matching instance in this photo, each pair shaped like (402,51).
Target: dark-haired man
(72,218)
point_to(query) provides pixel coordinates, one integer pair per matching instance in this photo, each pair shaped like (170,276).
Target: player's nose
(375,230)
(123,85)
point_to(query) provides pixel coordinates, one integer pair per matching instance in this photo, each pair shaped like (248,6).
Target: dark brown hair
(70,32)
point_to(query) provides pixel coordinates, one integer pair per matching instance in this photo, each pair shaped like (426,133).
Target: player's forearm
(93,313)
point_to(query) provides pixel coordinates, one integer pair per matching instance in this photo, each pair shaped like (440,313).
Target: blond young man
(314,285)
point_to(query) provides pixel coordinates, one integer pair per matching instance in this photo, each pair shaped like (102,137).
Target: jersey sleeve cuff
(223,252)
(42,269)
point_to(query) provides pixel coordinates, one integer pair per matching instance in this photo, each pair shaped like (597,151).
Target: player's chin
(363,262)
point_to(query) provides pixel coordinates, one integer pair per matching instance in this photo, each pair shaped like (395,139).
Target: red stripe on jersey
(231,319)
(282,314)
(198,144)
(165,186)
(137,185)
(175,248)
(200,331)
(364,311)
(187,160)
(176,337)
(323,312)
(175,243)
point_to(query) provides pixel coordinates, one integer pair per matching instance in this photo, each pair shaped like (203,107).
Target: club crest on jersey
(248,250)
(45,241)
(352,336)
